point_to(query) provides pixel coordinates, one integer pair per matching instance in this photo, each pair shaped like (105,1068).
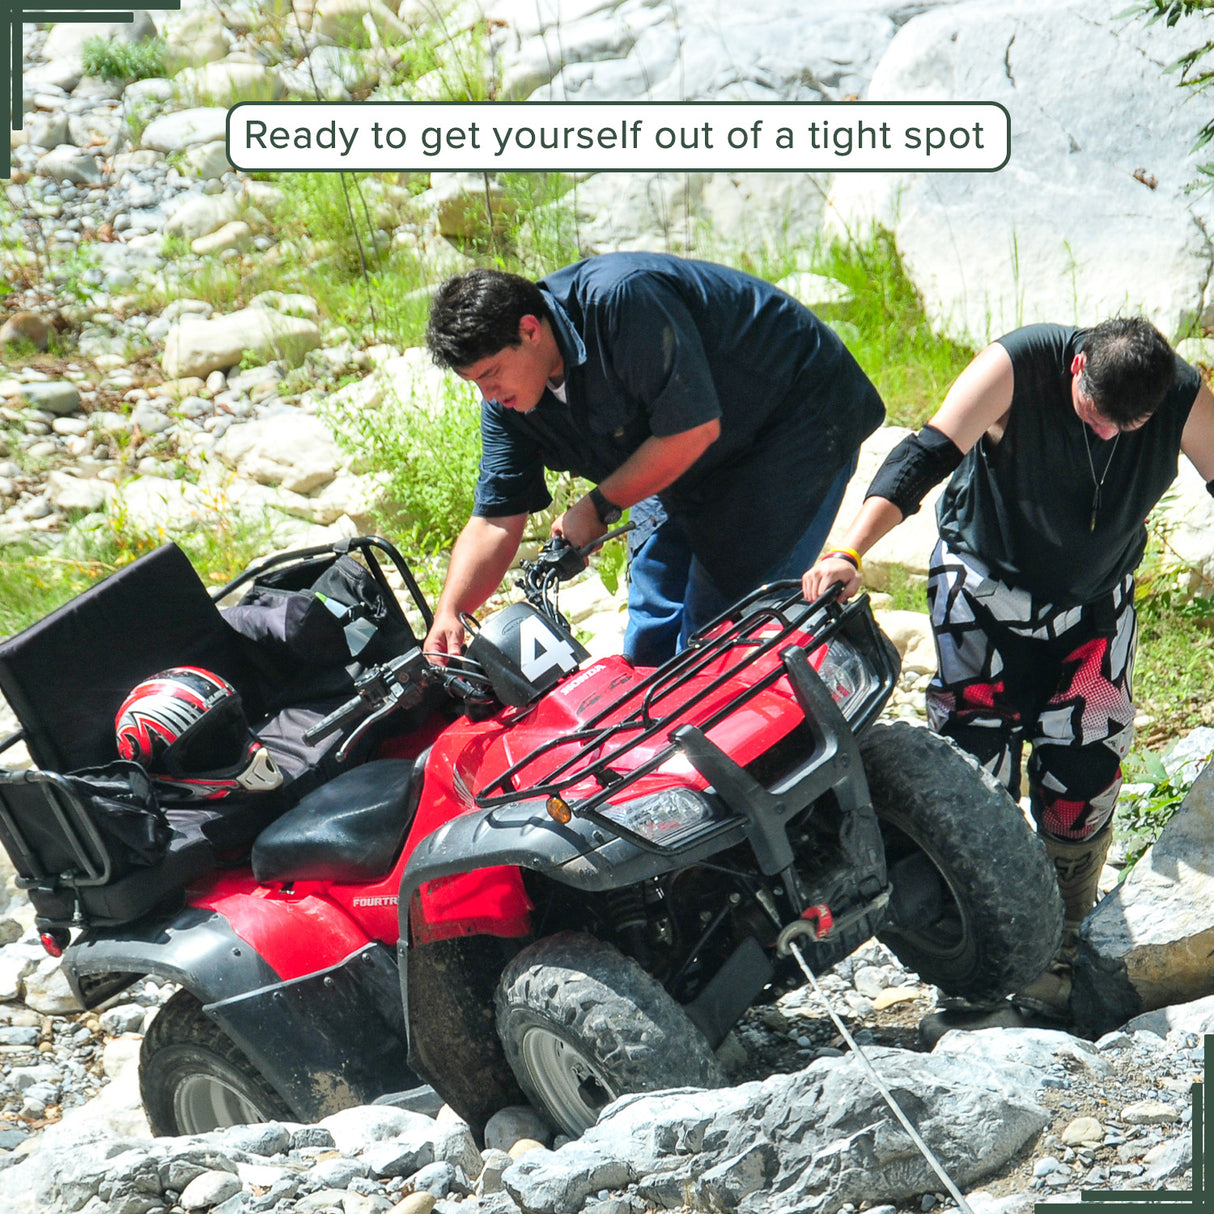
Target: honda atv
(517,873)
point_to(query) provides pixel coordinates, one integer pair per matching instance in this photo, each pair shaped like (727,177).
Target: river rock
(234,235)
(1196,1016)
(193,37)
(185,129)
(58,396)
(229,82)
(71,494)
(345,21)
(1147,944)
(198,347)
(199,214)
(301,456)
(737,1148)
(70,163)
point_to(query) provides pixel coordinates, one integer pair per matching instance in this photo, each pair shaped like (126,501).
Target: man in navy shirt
(651,375)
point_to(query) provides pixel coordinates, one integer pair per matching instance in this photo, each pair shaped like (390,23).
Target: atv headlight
(847,676)
(663,817)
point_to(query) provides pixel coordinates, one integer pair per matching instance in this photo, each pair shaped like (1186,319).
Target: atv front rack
(773,629)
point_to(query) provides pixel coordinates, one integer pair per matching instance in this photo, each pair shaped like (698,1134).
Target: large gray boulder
(810,1141)
(1147,945)
(1092,215)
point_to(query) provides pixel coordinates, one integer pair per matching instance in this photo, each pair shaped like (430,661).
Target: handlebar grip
(338,717)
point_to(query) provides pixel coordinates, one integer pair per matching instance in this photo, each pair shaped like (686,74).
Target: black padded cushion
(351,829)
(67,675)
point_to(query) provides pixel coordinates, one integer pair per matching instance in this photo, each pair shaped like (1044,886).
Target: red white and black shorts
(1013,669)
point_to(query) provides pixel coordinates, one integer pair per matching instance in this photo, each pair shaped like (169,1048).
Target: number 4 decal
(540,649)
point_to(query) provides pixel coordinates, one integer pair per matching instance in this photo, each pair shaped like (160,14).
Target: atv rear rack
(762,624)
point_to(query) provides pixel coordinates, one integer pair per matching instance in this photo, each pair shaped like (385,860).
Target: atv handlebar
(377,693)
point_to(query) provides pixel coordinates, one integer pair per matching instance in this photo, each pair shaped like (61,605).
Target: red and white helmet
(186,726)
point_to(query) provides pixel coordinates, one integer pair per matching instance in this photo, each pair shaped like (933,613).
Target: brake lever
(361,728)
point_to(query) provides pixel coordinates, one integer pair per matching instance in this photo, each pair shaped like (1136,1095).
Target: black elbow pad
(919,462)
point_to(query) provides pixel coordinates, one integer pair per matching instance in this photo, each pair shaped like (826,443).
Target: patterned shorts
(1013,669)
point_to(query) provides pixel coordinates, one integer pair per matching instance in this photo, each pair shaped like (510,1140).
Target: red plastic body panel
(317,924)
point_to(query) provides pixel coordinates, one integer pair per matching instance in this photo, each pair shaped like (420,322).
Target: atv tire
(193,1078)
(981,913)
(582,1024)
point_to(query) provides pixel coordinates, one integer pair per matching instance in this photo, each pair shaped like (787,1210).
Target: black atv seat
(351,829)
(65,678)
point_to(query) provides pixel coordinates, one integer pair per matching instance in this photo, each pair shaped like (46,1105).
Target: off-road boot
(1077,863)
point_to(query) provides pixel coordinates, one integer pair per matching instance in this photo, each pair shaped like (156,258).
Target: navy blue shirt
(657,345)
(1024,505)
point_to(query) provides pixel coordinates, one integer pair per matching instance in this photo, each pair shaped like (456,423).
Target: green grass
(887,329)
(114,60)
(34,581)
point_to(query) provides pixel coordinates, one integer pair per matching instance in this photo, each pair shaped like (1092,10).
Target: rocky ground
(1117,1114)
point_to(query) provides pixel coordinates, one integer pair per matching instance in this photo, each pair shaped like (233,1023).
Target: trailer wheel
(193,1078)
(975,907)
(582,1024)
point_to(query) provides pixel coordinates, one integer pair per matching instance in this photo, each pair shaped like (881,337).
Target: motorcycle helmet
(187,727)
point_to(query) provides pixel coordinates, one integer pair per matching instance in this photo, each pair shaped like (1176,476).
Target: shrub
(114,60)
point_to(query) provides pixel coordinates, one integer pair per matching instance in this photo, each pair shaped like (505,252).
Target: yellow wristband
(848,554)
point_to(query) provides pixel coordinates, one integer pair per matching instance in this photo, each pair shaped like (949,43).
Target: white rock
(76,493)
(198,347)
(355,1128)
(229,82)
(234,235)
(294,451)
(46,989)
(508,1125)
(185,129)
(200,214)
(70,163)
(207,160)
(343,20)
(194,37)
(208,1190)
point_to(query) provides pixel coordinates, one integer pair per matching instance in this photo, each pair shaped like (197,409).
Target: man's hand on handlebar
(579,524)
(818,579)
(446,636)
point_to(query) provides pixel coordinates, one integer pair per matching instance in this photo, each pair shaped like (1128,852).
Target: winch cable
(880,1084)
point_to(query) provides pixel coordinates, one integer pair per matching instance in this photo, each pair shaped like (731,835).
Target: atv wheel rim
(205,1102)
(573,1090)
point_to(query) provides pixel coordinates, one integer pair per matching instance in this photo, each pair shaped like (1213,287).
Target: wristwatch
(609,513)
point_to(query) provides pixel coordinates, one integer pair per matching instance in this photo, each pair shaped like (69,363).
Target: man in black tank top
(1060,441)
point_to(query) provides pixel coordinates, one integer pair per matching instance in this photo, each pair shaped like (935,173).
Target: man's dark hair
(1130,368)
(474,315)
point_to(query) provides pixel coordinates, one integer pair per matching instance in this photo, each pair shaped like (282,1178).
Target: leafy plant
(114,60)
(1193,66)
(1142,815)
(427,451)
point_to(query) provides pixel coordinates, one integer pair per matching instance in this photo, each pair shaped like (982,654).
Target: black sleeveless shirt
(1024,505)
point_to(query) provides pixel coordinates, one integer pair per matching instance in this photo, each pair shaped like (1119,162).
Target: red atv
(519,870)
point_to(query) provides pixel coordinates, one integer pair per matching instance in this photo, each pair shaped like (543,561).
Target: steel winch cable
(879,1083)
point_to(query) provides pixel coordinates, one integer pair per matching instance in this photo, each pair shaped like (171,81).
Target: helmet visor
(218,741)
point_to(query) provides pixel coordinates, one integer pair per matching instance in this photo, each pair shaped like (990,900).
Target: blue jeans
(670,595)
